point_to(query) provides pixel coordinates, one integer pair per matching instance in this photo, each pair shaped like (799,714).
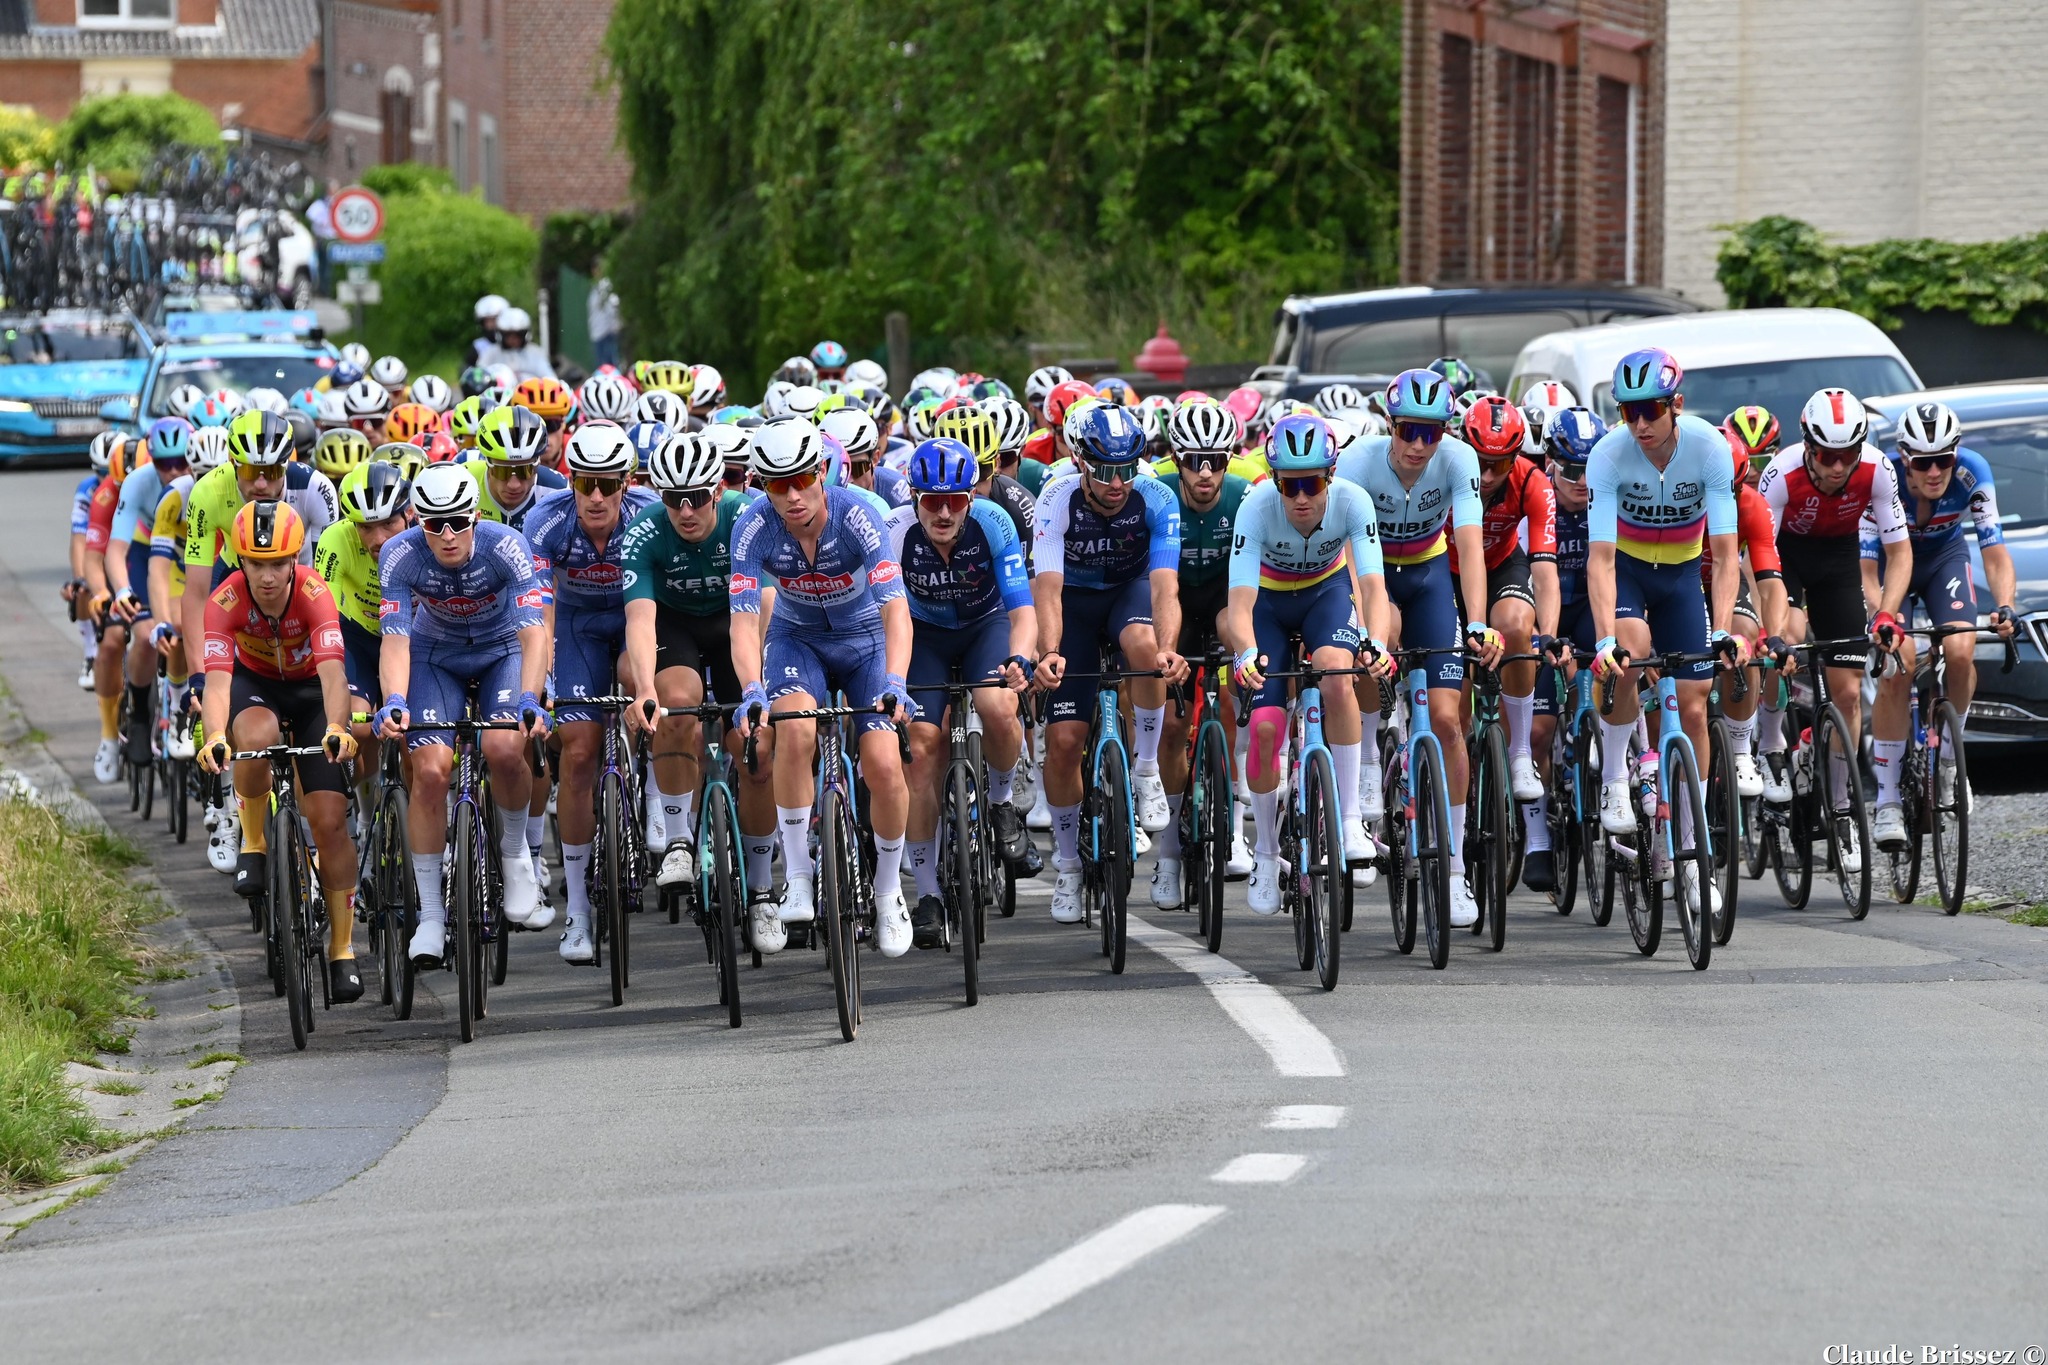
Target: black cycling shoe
(1032,863)
(925,921)
(1009,831)
(344,982)
(799,932)
(252,872)
(1538,873)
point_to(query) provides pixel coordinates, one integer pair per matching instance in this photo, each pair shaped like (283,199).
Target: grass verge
(70,956)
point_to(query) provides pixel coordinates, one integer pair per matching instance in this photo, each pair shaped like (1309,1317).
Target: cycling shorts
(1428,602)
(1824,578)
(138,574)
(587,649)
(1510,579)
(1943,583)
(1668,597)
(360,650)
(1093,618)
(301,714)
(703,643)
(1745,605)
(938,654)
(852,661)
(1574,623)
(1199,608)
(1320,617)
(443,676)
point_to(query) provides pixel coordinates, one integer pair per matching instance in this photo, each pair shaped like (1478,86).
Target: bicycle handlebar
(2011,642)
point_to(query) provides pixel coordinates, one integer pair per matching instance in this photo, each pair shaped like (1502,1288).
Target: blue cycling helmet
(829,355)
(346,372)
(943,465)
(1109,435)
(646,438)
(1300,445)
(986,389)
(1462,377)
(308,402)
(1646,375)
(170,438)
(1571,434)
(1420,396)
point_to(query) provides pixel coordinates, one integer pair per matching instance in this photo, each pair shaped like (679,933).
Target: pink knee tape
(1269,725)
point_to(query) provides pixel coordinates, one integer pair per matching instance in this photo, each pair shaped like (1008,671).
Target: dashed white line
(1261,1168)
(1045,1286)
(1297,1047)
(1293,1116)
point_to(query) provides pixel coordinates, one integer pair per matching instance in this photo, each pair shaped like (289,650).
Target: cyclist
(576,556)
(273,646)
(127,568)
(984,430)
(110,619)
(1424,485)
(1941,479)
(1819,492)
(375,506)
(1106,559)
(513,351)
(1290,578)
(259,467)
(971,614)
(857,433)
(840,622)
(390,371)
(166,588)
(1759,610)
(829,359)
(461,610)
(677,560)
(511,477)
(100,455)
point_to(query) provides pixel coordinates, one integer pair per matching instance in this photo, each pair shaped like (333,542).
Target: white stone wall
(1866,118)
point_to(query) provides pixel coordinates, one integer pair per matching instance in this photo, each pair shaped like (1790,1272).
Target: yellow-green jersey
(217,496)
(167,533)
(546,481)
(351,572)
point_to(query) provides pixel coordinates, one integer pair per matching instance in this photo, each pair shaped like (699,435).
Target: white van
(1774,357)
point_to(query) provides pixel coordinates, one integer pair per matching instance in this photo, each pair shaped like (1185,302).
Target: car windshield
(285,373)
(1781,386)
(43,344)
(2018,455)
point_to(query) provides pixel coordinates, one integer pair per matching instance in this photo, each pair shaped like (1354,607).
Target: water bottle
(1646,780)
(1802,762)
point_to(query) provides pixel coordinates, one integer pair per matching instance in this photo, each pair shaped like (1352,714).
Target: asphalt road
(1563,1152)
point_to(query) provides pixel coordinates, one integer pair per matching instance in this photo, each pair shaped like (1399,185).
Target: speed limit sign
(358,215)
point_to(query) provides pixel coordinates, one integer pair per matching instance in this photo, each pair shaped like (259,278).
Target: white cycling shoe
(429,941)
(1150,793)
(1357,843)
(892,922)
(1617,809)
(1166,883)
(577,949)
(1851,852)
(1749,779)
(1238,865)
(1524,779)
(1692,898)
(1464,910)
(1264,891)
(224,842)
(1777,781)
(1066,898)
(85,671)
(678,866)
(522,895)
(769,936)
(799,905)
(1040,814)
(106,761)
(1888,828)
(1144,844)
(178,743)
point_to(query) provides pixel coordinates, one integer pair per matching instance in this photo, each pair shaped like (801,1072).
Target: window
(1781,386)
(487,168)
(458,143)
(1614,180)
(1387,347)
(2018,455)
(1491,341)
(126,13)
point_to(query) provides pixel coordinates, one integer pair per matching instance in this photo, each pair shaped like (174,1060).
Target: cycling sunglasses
(735,475)
(1927,464)
(792,483)
(1761,461)
(1835,458)
(1203,461)
(553,424)
(1570,473)
(955,503)
(587,484)
(1303,485)
(1113,473)
(522,473)
(1419,433)
(444,525)
(679,498)
(858,469)
(1644,410)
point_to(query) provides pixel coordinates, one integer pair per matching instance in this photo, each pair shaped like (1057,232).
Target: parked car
(1367,338)
(56,370)
(2008,425)
(214,347)
(1775,357)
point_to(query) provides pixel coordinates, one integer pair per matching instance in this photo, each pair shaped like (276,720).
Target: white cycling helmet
(601,448)
(1335,398)
(514,320)
(232,401)
(731,442)
(939,378)
(432,391)
(267,399)
(183,399)
(356,354)
(774,399)
(659,405)
(606,397)
(802,401)
(490,306)
(208,450)
(1201,424)
(1043,381)
(1013,423)
(797,370)
(333,409)
(865,371)
(367,398)
(1929,429)
(707,388)
(389,371)
(785,447)
(853,429)
(444,490)
(687,459)
(1834,419)
(1539,403)
(101,451)
(1344,428)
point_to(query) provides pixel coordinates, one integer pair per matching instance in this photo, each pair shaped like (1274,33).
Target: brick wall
(378,46)
(559,133)
(275,97)
(473,76)
(50,88)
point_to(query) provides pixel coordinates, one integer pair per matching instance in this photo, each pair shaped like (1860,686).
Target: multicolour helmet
(1647,375)
(1420,396)
(1300,445)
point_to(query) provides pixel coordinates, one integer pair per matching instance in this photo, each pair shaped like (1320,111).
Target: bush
(406,177)
(26,138)
(444,251)
(122,132)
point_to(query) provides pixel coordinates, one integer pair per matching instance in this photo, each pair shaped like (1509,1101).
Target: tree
(442,252)
(122,132)
(26,138)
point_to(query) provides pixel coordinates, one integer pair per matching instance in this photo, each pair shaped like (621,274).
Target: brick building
(253,63)
(384,84)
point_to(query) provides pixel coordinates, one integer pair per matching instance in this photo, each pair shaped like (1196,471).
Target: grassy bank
(69,960)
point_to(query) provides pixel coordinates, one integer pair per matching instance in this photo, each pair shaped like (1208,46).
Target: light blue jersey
(1269,553)
(1412,520)
(1661,516)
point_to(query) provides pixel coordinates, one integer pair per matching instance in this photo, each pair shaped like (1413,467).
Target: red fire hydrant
(1162,358)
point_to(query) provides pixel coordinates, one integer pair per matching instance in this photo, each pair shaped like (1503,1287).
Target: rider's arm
(1162,516)
(533,658)
(640,647)
(1998,572)
(1603,525)
(1724,527)
(1889,516)
(1045,594)
(1468,526)
(1539,511)
(160,590)
(743,594)
(218,651)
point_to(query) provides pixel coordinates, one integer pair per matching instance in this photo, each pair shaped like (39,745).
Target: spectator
(604,322)
(320,221)
(514,351)
(487,310)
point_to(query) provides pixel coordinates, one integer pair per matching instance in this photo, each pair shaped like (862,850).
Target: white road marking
(1261,1168)
(1289,1116)
(1045,1286)
(1297,1047)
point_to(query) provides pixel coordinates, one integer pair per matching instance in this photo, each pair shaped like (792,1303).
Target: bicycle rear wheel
(1645,906)
(1113,851)
(462,915)
(179,798)
(1489,851)
(284,890)
(611,819)
(1593,851)
(498,929)
(391,880)
(1693,870)
(1847,818)
(1432,851)
(1948,805)
(836,910)
(1560,814)
(1210,818)
(1724,825)
(1325,873)
(957,865)
(1904,864)
(718,879)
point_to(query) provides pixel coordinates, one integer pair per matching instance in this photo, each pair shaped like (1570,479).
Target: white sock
(1001,783)
(1614,749)
(536,825)
(1887,756)
(426,879)
(1166,843)
(795,825)
(1066,836)
(1772,727)
(1457,831)
(1518,710)
(1838,779)
(1266,823)
(658,806)
(1344,758)
(1240,750)
(924,865)
(512,832)
(760,860)
(1742,733)
(1536,820)
(675,813)
(1145,747)
(89,640)
(575,874)
(888,864)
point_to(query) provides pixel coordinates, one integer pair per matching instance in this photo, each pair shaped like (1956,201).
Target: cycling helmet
(867,372)
(606,398)
(1461,377)
(662,405)
(645,438)
(184,399)
(1834,419)
(802,401)
(465,416)
(729,441)
(774,398)
(209,450)
(686,459)
(1464,402)
(357,354)
(438,445)
(1539,401)
(431,390)
(1203,425)
(445,490)
(797,370)
(854,430)
(101,451)
(304,433)
(941,379)
(734,415)
(1013,423)
(1043,381)
(1924,429)
(260,440)
(1063,396)
(1107,434)
(408,420)
(1646,375)
(389,371)
(1420,396)
(670,376)
(308,402)
(511,435)
(170,438)
(873,400)
(1335,398)
(366,399)
(507,377)
(786,447)
(475,380)
(917,422)
(1571,434)
(216,410)
(266,398)
(267,530)
(600,449)
(407,458)
(985,389)
(1300,444)
(340,451)
(943,465)
(490,306)
(829,355)
(1752,436)
(373,491)
(1117,391)
(707,388)
(514,320)
(333,409)
(345,373)
(548,397)
(1345,429)
(1244,402)
(974,429)
(1494,427)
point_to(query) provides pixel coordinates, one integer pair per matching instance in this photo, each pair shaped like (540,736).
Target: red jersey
(1753,533)
(1799,508)
(99,516)
(290,647)
(1526,494)
(1038,446)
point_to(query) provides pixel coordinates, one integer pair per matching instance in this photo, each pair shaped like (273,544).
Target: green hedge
(406,177)
(1780,262)
(444,251)
(122,132)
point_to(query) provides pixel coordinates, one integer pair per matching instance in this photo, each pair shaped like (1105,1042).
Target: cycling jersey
(892,487)
(216,497)
(1934,526)
(99,515)
(842,589)
(1525,495)
(1572,541)
(1799,508)
(1015,499)
(167,531)
(1205,536)
(1271,555)
(351,571)
(486,601)
(663,568)
(573,572)
(545,481)
(290,646)
(982,577)
(1092,550)
(81,502)
(1661,516)
(135,504)
(1754,533)
(1412,520)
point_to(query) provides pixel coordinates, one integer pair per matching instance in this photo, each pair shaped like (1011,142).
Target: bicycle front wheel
(719,892)
(1432,840)
(612,818)
(1113,841)
(1401,869)
(1848,820)
(1489,850)
(1324,871)
(1948,805)
(178,797)
(1693,874)
(1601,875)
(464,925)
(1210,819)
(836,910)
(1724,812)
(285,920)
(962,905)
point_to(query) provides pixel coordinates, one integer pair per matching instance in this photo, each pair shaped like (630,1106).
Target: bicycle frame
(1415,688)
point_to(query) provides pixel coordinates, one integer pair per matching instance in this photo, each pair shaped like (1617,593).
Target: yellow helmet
(671,375)
(339,451)
(974,429)
(404,454)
